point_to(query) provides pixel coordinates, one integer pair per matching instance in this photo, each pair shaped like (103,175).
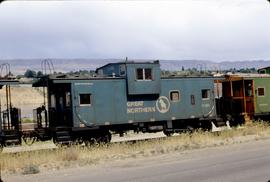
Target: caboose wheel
(29,139)
(106,138)
(98,139)
(89,142)
(167,133)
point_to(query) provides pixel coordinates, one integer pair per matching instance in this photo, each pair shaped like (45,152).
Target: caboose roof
(244,76)
(65,78)
(248,75)
(268,67)
(127,62)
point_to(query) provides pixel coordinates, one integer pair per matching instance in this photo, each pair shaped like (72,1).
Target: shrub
(30,169)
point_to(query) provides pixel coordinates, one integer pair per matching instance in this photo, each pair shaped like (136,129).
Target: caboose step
(62,137)
(62,133)
(11,137)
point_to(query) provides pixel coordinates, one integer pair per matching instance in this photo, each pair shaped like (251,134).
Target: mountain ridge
(19,66)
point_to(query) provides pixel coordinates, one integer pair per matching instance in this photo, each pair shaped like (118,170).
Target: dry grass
(24,97)
(81,156)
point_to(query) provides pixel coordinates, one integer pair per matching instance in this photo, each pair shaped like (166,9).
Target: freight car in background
(244,97)
(126,96)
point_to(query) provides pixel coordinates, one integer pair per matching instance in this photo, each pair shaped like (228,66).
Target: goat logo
(163,104)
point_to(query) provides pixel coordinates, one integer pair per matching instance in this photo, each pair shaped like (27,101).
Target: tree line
(37,74)
(197,72)
(183,72)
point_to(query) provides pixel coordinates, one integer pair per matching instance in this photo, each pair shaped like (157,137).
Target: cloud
(223,30)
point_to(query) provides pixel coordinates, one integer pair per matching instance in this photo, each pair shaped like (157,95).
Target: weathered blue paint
(125,100)
(128,70)
(110,104)
(112,69)
(141,87)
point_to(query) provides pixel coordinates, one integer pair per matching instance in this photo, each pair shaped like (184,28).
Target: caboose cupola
(143,78)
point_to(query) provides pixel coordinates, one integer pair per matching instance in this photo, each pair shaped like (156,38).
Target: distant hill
(211,65)
(19,66)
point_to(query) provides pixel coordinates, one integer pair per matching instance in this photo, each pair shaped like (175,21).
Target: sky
(223,30)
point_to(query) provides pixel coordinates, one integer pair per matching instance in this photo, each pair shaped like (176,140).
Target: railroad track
(43,146)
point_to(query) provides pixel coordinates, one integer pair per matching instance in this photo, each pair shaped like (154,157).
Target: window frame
(175,91)
(90,99)
(208,94)
(144,74)
(192,100)
(122,70)
(151,74)
(258,91)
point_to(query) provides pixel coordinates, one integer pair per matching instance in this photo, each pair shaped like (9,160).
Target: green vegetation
(30,74)
(82,73)
(33,74)
(181,72)
(27,120)
(201,72)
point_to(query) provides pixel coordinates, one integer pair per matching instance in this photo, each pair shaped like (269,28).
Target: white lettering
(141,110)
(138,107)
(135,104)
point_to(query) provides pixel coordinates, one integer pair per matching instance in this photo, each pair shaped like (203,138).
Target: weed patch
(35,161)
(30,169)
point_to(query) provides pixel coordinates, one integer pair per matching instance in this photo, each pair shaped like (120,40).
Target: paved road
(246,162)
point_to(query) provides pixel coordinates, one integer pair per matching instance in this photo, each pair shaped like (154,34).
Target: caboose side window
(139,74)
(261,91)
(122,70)
(192,99)
(148,74)
(175,96)
(85,99)
(144,74)
(205,94)
(100,72)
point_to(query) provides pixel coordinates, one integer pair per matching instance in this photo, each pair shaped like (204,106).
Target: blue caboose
(126,96)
